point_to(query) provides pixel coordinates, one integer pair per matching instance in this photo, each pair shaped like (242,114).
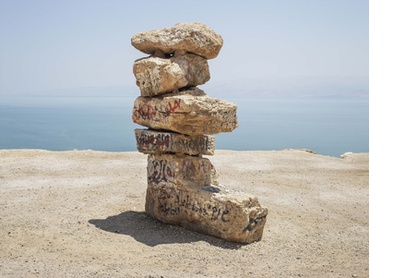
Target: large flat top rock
(193,37)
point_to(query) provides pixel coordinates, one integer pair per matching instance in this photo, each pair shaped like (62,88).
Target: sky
(47,46)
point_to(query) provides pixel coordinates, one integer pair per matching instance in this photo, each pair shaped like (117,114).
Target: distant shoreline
(217,151)
(329,127)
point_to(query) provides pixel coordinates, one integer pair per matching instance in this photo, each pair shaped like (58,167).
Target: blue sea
(326,126)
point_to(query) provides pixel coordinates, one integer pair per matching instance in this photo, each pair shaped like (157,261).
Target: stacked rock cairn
(182,186)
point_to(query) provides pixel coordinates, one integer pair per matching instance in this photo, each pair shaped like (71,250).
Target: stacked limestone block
(182,184)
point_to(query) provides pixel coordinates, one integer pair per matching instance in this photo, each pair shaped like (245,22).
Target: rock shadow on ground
(152,232)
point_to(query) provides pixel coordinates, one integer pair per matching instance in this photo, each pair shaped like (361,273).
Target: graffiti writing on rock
(197,143)
(159,171)
(153,141)
(173,106)
(155,110)
(144,111)
(182,203)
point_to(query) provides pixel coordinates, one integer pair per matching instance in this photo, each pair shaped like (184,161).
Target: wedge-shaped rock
(156,76)
(188,112)
(151,142)
(180,170)
(194,37)
(210,210)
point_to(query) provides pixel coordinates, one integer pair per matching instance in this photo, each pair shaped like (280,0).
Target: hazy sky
(48,45)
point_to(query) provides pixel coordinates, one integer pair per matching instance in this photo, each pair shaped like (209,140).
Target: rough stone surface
(194,37)
(195,67)
(210,210)
(180,170)
(188,112)
(156,76)
(182,185)
(151,141)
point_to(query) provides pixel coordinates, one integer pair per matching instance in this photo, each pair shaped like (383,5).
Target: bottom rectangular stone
(210,210)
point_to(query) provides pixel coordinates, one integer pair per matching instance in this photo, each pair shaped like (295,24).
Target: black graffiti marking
(214,211)
(198,144)
(225,212)
(152,141)
(170,209)
(183,204)
(160,171)
(253,223)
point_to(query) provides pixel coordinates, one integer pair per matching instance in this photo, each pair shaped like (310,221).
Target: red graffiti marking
(177,104)
(145,112)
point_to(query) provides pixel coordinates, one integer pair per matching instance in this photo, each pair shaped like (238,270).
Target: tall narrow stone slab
(180,170)
(210,210)
(188,112)
(194,37)
(152,142)
(156,76)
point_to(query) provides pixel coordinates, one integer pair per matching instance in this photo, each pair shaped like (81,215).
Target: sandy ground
(81,214)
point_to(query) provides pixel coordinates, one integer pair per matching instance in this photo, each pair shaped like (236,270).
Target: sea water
(326,126)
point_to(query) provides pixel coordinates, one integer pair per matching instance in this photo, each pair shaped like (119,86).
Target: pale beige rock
(180,170)
(152,141)
(156,76)
(188,112)
(194,37)
(210,210)
(195,67)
